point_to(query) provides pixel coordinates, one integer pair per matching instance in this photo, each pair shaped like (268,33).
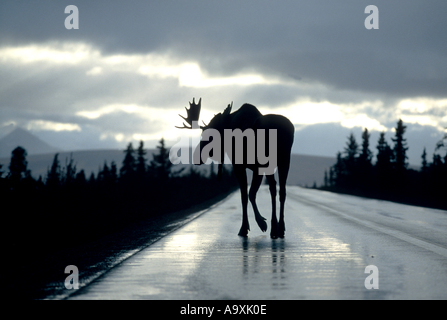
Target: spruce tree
(70,171)
(141,160)
(384,162)
(92,179)
(161,165)
(338,171)
(364,162)
(442,143)
(351,151)
(424,174)
(365,156)
(113,172)
(54,174)
(129,165)
(80,180)
(437,178)
(424,165)
(384,154)
(400,148)
(326,179)
(104,174)
(350,160)
(331,177)
(18,164)
(2,180)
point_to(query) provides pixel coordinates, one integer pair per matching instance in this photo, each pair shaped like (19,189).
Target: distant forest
(66,208)
(388,177)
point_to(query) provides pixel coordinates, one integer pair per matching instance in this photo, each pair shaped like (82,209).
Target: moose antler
(228,109)
(193,114)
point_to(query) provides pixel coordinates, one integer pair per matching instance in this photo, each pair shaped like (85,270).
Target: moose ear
(228,109)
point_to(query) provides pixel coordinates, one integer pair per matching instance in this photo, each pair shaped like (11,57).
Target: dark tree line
(66,208)
(388,177)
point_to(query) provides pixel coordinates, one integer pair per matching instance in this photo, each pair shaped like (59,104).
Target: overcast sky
(132,66)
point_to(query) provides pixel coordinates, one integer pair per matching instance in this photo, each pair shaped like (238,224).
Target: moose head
(193,114)
(217,124)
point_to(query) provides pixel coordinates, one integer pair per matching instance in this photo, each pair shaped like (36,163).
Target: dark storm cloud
(321,41)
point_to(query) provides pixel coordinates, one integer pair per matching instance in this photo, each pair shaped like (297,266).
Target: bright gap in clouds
(191,75)
(151,115)
(307,112)
(40,125)
(424,111)
(54,52)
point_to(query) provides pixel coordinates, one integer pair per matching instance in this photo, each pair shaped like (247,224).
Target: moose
(249,118)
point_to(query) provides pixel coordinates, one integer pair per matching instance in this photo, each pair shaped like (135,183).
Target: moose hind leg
(281,224)
(255,183)
(282,173)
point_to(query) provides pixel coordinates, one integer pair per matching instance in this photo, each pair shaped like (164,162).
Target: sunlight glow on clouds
(94,71)
(148,114)
(306,112)
(167,118)
(424,111)
(39,125)
(191,75)
(70,53)
(362,120)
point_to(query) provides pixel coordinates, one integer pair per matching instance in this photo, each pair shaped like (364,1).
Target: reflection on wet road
(330,240)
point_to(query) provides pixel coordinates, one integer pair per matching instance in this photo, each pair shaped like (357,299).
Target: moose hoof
(243,232)
(274,233)
(262,224)
(281,230)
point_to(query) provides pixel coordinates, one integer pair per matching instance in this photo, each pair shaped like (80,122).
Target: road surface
(330,240)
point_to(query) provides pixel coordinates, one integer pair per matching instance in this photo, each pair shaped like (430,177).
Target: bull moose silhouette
(256,134)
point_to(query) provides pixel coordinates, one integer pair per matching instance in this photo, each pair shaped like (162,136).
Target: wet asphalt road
(330,240)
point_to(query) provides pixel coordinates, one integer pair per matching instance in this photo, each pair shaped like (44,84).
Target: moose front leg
(255,184)
(243,231)
(242,179)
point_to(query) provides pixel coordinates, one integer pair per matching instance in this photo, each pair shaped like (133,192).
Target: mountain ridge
(25,139)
